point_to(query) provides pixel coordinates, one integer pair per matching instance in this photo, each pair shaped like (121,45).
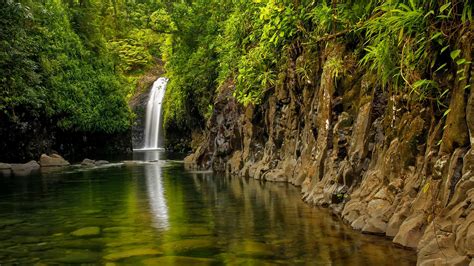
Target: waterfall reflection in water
(156,193)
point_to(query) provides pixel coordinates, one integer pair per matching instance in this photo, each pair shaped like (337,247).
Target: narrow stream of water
(159,214)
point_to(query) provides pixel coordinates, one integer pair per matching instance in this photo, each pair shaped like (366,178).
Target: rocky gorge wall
(384,163)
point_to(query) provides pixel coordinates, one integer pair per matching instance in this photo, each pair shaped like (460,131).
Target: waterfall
(153,114)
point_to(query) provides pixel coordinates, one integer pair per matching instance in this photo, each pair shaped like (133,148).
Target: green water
(160,214)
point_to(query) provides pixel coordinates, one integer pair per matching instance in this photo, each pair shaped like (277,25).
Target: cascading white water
(153,114)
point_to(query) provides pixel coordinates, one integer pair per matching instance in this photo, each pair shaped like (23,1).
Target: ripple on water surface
(157,213)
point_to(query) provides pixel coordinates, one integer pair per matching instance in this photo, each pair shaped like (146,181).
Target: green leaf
(441,67)
(454,54)
(461,61)
(444,93)
(443,7)
(431,12)
(446,112)
(426,187)
(435,36)
(444,48)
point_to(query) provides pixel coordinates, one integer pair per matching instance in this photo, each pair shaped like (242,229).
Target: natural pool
(159,214)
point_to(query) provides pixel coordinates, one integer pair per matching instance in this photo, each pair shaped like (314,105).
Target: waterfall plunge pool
(160,214)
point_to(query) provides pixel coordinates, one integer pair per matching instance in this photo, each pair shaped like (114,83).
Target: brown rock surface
(25,169)
(53,160)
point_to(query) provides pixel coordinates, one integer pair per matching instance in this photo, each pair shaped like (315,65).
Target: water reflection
(156,192)
(159,214)
(147,155)
(255,220)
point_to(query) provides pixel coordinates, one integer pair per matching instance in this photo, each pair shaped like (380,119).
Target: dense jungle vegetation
(77,60)
(74,61)
(412,46)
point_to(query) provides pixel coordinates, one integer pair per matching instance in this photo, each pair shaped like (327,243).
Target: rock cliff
(386,164)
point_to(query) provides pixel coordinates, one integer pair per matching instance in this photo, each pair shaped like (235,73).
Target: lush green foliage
(68,60)
(410,45)
(78,59)
(190,53)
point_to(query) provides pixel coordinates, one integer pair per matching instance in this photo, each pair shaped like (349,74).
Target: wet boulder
(5,169)
(88,162)
(5,166)
(25,169)
(53,160)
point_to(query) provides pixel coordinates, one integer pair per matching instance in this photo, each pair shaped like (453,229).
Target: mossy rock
(253,249)
(87,231)
(78,257)
(179,260)
(132,253)
(189,246)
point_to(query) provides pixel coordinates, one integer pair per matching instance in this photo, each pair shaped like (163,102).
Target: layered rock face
(386,164)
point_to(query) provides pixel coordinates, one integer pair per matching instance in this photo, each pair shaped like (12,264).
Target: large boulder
(88,162)
(5,169)
(53,160)
(5,166)
(25,169)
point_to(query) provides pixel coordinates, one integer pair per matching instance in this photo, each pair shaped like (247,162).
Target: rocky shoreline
(385,164)
(45,162)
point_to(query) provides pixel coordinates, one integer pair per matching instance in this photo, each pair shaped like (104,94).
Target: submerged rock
(253,249)
(132,253)
(87,231)
(53,160)
(178,260)
(188,245)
